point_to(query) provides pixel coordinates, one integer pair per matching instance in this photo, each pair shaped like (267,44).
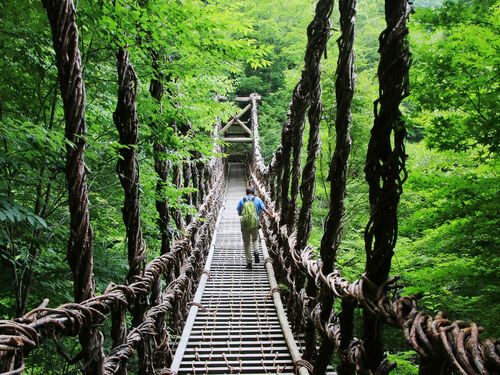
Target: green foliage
(32,157)
(279,28)
(449,235)
(31,154)
(405,362)
(449,214)
(457,66)
(12,213)
(272,114)
(370,23)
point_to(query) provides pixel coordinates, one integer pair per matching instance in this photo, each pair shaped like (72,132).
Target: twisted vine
(20,336)
(62,19)
(344,88)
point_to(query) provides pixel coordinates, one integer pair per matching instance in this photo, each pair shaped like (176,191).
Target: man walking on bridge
(249,208)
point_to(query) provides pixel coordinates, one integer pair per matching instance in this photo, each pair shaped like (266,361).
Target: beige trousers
(250,237)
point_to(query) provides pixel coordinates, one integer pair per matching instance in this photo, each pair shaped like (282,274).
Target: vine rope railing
(20,336)
(178,266)
(442,344)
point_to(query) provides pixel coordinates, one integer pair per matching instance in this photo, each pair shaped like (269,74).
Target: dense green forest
(448,249)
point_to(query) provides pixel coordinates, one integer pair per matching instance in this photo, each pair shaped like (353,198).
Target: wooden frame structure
(244,125)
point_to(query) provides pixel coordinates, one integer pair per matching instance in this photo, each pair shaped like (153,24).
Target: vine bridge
(232,319)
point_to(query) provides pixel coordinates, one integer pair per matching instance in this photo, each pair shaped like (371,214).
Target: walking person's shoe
(249,266)
(256,256)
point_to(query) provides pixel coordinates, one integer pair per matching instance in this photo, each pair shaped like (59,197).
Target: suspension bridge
(278,317)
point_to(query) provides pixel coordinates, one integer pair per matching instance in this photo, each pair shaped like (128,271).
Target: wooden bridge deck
(237,330)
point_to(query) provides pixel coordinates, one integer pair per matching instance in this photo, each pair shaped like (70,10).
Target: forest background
(449,224)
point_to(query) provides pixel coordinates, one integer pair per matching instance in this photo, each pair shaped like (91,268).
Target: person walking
(249,208)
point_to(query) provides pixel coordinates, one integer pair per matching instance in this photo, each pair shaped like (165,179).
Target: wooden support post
(245,128)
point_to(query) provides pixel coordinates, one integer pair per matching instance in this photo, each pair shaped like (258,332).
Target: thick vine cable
(20,336)
(62,19)
(337,176)
(454,342)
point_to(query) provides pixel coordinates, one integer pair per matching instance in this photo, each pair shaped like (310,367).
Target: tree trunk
(34,250)
(41,205)
(176,212)
(318,34)
(162,166)
(297,143)
(187,174)
(195,179)
(346,334)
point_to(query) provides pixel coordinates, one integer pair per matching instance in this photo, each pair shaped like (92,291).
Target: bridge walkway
(236,327)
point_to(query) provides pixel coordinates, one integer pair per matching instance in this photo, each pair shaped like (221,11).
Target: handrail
(280,311)
(431,337)
(20,336)
(188,326)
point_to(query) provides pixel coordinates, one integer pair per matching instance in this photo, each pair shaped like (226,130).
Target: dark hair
(250,190)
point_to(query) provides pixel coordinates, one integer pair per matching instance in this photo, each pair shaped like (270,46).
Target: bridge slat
(240,322)
(238,329)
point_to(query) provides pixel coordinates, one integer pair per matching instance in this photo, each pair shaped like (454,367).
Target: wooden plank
(242,99)
(246,329)
(234,356)
(245,128)
(234,362)
(247,98)
(235,337)
(250,370)
(237,140)
(228,125)
(287,332)
(244,344)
